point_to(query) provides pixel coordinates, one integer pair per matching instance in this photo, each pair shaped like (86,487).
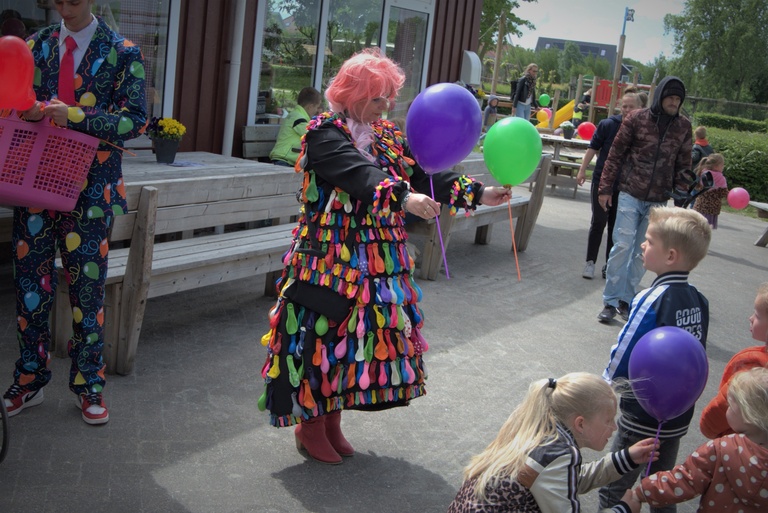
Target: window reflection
(287,62)
(406,45)
(352,26)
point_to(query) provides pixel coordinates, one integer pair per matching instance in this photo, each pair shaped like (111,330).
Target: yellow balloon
(542,116)
(72,240)
(75,114)
(77,314)
(88,99)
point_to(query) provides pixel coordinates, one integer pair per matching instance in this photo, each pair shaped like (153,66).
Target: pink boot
(311,437)
(335,436)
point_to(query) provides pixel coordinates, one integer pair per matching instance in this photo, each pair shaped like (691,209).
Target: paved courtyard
(185,434)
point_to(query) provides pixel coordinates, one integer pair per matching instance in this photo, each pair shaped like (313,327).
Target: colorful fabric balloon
(442,126)
(738,198)
(668,371)
(512,150)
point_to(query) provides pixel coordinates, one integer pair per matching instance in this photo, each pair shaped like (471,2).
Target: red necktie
(67,73)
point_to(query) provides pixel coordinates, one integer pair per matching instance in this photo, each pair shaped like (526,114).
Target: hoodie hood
(667,87)
(492,97)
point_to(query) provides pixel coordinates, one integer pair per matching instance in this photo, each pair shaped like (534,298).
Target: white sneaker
(589,270)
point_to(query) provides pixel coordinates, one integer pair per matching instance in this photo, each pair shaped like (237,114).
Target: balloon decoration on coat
(17,71)
(738,198)
(442,126)
(512,150)
(586,130)
(668,371)
(544,100)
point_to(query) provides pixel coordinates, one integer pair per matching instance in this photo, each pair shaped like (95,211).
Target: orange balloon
(104,248)
(21,249)
(17,70)
(22,322)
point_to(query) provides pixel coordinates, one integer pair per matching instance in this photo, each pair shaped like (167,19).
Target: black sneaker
(624,310)
(607,315)
(604,268)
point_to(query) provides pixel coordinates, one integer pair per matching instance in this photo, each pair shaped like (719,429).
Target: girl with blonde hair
(535,465)
(729,473)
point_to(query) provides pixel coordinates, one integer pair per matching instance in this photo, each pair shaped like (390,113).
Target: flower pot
(568,133)
(165,150)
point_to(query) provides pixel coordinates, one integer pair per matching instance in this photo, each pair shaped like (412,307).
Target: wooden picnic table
(567,155)
(143,169)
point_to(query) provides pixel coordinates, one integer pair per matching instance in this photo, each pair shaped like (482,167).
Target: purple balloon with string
(442,127)
(668,371)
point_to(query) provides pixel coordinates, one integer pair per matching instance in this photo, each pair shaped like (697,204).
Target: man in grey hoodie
(650,153)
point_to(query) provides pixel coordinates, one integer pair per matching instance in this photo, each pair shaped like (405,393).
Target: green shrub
(730,123)
(746,159)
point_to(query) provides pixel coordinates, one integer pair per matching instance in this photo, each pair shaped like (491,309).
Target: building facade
(219,65)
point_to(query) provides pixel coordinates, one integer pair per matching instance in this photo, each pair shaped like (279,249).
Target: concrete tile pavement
(185,434)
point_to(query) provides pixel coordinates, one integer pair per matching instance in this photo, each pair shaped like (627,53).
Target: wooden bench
(150,268)
(524,209)
(258,141)
(762,212)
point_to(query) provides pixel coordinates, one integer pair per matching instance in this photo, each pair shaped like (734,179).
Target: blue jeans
(523,111)
(611,494)
(625,263)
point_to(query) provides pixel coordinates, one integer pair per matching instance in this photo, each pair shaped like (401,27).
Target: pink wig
(363,77)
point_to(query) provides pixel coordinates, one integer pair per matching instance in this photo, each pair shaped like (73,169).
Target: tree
(569,61)
(489,23)
(723,47)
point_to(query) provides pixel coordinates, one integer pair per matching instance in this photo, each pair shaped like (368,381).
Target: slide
(563,114)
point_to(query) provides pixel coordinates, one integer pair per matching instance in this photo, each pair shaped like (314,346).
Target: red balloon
(738,198)
(17,71)
(586,130)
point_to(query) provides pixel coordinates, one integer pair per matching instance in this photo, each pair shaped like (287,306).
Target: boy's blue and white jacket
(669,301)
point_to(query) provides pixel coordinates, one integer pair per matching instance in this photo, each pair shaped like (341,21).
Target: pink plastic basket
(41,165)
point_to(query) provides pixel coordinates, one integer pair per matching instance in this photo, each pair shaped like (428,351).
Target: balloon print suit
(110,104)
(346,330)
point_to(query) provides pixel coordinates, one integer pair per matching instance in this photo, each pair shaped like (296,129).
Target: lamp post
(629,15)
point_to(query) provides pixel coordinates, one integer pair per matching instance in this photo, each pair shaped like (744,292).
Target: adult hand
(605,201)
(422,205)
(631,500)
(57,111)
(643,450)
(495,195)
(34,113)
(581,177)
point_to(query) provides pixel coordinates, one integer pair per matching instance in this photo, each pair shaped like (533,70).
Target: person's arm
(684,482)
(683,159)
(581,176)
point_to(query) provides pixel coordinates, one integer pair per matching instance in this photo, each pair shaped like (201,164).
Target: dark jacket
(669,301)
(650,151)
(602,141)
(521,93)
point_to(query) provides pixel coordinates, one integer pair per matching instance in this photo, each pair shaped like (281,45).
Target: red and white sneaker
(18,397)
(92,406)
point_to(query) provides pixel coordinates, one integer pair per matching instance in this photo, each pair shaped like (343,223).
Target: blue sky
(600,21)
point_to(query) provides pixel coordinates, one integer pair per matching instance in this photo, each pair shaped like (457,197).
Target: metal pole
(497,60)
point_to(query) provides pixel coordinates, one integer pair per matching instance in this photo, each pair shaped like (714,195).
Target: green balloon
(512,150)
(137,69)
(321,325)
(125,125)
(91,270)
(544,100)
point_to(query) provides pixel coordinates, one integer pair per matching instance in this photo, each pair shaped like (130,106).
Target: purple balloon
(668,371)
(443,125)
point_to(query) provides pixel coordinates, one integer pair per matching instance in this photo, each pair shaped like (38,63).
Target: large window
(306,41)
(145,22)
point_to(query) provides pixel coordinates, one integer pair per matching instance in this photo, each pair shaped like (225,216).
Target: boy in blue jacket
(675,242)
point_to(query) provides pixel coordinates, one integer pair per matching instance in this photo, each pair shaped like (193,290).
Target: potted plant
(568,129)
(166,133)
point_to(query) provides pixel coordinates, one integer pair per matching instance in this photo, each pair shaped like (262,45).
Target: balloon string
(514,244)
(655,442)
(439,231)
